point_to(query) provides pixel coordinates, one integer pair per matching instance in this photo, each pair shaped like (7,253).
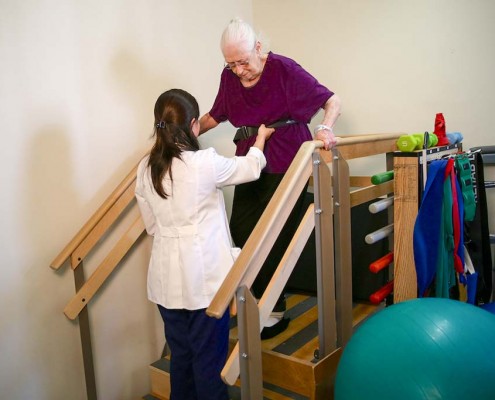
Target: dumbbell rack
(408,190)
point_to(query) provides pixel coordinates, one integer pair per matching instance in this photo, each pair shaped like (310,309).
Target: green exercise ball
(425,348)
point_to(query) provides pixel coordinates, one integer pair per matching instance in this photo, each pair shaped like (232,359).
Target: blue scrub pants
(198,345)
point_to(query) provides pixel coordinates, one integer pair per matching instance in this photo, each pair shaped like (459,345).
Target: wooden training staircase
(301,362)
(290,354)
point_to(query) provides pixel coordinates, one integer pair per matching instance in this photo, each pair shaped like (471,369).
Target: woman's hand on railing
(325,134)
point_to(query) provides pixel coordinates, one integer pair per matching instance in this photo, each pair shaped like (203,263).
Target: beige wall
(395,63)
(78,81)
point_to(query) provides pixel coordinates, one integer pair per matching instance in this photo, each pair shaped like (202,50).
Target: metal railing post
(248,322)
(343,248)
(325,278)
(85,332)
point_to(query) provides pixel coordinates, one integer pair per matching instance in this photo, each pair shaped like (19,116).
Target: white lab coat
(192,248)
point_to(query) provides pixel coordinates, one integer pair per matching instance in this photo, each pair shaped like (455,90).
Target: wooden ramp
(291,369)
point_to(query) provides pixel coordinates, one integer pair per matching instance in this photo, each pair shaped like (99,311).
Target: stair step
(161,368)
(151,397)
(301,310)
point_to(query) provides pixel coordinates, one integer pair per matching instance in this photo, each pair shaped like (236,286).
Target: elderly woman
(266,88)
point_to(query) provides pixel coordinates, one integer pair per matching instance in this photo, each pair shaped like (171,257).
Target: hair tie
(161,124)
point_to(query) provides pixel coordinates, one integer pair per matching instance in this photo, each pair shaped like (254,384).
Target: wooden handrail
(367,138)
(93,221)
(259,243)
(376,144)
(100,228)
(103,271)
(297,172)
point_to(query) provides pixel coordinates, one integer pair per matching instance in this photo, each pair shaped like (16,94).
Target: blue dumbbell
(454,137)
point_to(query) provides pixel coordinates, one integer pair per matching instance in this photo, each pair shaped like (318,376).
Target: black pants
(250,201)
(198,345)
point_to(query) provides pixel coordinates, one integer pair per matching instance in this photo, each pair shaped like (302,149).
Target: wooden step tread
(300,340)
(270,391)
(152,397)
(302,312)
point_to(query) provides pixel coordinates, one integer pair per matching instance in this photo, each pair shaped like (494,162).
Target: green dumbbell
(382,177)
(408,143)
(432,139)
(414,141)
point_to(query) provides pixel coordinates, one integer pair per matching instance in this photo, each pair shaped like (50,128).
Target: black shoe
(279,309)
(280,305)
(272,331)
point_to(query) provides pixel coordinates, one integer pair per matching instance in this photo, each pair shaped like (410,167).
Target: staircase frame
(330,213)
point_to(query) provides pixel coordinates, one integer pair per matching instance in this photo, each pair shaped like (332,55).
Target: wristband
(322,127)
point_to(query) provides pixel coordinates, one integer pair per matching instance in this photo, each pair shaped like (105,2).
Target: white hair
(240,33)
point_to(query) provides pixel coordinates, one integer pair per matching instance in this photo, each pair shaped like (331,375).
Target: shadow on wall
(51,214)
(139,85)
(48,205)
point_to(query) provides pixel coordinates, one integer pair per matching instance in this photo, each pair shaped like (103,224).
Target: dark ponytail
(174,111)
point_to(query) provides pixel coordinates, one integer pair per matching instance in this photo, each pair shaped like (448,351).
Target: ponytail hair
(174,111)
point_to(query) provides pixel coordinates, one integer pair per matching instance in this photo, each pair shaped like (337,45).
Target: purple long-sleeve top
(284,91)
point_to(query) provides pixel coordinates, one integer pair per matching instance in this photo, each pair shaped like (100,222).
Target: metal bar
(85,332)
(343,251)
(325,278)
(248,320)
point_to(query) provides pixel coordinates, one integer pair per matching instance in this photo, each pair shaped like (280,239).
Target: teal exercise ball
(425,348)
